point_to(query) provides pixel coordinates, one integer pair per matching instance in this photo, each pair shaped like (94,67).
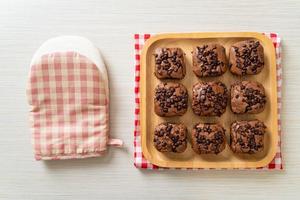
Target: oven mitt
(69,98)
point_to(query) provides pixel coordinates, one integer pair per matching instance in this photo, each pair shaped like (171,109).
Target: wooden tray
(189,159)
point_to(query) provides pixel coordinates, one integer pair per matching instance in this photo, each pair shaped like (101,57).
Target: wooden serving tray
(189,159)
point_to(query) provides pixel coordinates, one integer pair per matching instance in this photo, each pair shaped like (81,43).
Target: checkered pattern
(69,107)
(139,159)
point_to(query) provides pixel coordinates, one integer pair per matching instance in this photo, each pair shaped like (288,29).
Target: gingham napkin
(139,159)
(69,107)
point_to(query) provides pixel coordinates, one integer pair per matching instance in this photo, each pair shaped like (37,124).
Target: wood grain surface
(24,25)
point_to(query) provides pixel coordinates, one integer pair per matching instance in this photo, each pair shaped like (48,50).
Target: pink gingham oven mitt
(69,98)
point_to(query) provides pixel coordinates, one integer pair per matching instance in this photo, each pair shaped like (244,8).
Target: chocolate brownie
(209,60)
(208,138)
(209,98)
(247,136)
(169,137)
(246,57)
(169,63)
(247,97)
(171,99)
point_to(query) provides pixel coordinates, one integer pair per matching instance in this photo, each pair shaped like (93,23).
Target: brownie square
(209,60)
(246,57)
(169,63)
(208,138)
(170,137)
(209,98)
(247,97)
(247,136)
(170,99)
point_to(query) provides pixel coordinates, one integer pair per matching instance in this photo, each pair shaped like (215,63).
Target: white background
(24,25)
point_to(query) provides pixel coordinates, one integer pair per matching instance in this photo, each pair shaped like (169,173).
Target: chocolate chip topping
(246,57)
(209,60)
(254,97)
(247,136)
(171,99)
(169,63)
(169,137)
(247,97)
(208,138)
(209,98)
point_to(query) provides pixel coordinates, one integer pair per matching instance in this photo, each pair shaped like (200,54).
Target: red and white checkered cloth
(139,159)
(69,107)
